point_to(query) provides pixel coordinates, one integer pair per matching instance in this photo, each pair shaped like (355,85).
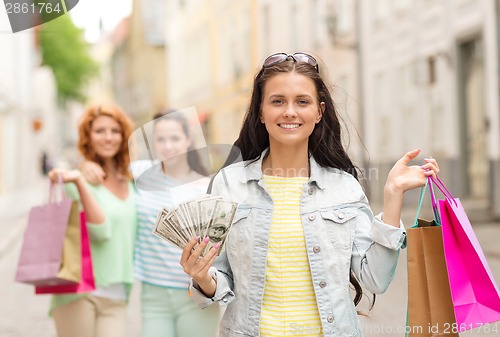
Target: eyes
(300,102)
(114,131)
(171,138)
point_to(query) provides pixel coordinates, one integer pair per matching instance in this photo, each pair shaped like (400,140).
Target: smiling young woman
(175,175)
(111,220)
(304,229)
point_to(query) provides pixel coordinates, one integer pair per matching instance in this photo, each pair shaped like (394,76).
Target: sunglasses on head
(297,57)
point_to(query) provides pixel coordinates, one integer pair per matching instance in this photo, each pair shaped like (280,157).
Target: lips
(109,148)
(289,126)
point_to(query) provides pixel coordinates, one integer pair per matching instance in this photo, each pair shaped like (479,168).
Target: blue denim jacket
(340,233)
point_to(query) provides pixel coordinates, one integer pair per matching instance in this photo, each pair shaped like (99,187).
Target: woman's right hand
(197,267)
(67,176)
(92,172)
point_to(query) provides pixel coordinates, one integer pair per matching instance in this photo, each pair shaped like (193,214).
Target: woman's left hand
(402,177)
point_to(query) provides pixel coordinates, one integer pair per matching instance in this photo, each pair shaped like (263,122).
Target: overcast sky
(87,13)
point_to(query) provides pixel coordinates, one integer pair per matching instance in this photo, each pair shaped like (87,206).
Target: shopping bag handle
(437,219)
(53,191)
(440,185)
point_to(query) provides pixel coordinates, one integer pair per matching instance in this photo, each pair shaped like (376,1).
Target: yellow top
(289,306)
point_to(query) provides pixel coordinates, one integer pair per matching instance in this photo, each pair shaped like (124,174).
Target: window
(402,4)
(245,39)
(345,16)
(381,10)
(267,30)
(293,26)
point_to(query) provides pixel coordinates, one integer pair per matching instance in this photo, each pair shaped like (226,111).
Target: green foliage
(65,51)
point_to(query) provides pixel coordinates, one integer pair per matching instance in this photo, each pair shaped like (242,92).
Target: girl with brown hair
(111,219)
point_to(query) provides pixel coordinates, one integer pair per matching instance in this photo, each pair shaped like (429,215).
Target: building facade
(138,61)
(216,47)
(30,121)
(430,81)
(27,111)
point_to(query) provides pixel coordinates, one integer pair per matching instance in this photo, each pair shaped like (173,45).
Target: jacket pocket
(340,226)
(241,213)
(238,232)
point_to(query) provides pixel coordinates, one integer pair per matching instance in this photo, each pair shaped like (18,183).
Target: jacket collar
(253,170)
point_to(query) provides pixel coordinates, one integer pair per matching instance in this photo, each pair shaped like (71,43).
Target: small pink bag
(51,227)
(87,283)
(475,295)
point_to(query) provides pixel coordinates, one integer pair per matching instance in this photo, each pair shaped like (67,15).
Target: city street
(88,82)
(22,314)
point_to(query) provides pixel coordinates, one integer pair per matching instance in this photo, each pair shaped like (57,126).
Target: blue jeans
(170,312)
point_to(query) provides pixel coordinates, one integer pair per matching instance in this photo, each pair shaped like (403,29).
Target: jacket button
(322,284)
(330,319)
(340,215)
(312,217)
(224,299)
(316,249)
(310,190)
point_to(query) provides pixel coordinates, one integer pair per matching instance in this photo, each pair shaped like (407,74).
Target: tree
(65,51)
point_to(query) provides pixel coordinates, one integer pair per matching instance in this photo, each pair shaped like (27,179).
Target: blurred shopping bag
(430,309)
(474,292)
(50,254)
(86,283)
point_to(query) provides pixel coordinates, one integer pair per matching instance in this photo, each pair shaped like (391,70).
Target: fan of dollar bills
(209,216)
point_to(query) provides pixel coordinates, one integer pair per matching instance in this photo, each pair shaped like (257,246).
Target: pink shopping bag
(51,243)
(87,283)
(474,292)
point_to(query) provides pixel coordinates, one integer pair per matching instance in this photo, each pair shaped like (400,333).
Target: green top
(112,242)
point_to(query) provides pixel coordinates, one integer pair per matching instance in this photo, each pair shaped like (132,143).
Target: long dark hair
(193,157)
(325,142)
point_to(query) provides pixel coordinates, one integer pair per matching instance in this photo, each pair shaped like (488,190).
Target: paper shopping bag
(86,283)
(474,292)
(51,244)
(71,254)
(430,309)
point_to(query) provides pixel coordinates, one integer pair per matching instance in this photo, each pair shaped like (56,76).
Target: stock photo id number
(26,14)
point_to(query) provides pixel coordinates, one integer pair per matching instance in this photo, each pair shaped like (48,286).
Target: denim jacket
(340,232)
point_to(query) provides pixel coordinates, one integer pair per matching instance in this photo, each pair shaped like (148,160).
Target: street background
(404,74)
